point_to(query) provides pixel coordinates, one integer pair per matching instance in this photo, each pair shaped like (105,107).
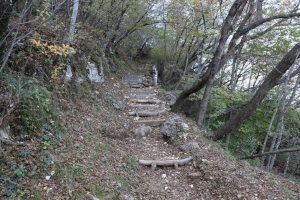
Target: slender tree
(269,82)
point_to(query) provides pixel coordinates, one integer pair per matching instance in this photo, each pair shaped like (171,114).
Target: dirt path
(102,156)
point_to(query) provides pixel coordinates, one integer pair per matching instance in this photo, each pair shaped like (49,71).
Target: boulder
(142,131)
(173,127)
(171,99)
(94,73)
(189,146)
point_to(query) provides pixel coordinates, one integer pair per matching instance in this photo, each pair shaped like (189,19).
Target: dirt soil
(100,156)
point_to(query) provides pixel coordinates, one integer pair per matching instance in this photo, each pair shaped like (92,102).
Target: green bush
(35,107)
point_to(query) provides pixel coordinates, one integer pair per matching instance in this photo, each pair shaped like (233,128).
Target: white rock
(94,73)
(48,178)
(69,74)
(192,186)
(163,175)
(4,133)
(185,127)
(166,187)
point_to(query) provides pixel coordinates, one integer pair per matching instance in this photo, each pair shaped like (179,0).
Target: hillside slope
(99,155)
(103,154)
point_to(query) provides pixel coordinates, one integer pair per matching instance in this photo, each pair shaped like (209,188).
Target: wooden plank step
(145,106)
(151,122)
(150,101)
(146,113)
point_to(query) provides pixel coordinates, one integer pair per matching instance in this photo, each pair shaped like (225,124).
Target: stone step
(147,113)
(145,106)
(151,122)
(145,101)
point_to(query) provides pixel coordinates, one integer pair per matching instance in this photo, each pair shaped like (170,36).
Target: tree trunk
(286,167)
(219,60)
(281,118)
(278,129)
(268,153)
(214,64)
(205,101)
(259,14)
(5,12)
(73,21)
(269,82)
(262,161)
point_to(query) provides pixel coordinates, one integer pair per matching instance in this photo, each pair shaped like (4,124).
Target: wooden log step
(151,122)
(150,101)
(142,92)
(136,86)
(145,106)
(140,96)
(146,113)
(175,163)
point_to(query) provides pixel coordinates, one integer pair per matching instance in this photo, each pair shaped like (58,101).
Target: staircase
(144,106)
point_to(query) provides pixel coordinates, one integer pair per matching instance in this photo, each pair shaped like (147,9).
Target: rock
(79,80)
(119,105)
(94,73)
(171,99)
(69,74)
(190,146)
(126,197)
(4,134)
(112,68)
(173,127)
(126,124)
(142,131)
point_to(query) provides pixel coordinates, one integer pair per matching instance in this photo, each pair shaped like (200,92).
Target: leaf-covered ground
(98,154)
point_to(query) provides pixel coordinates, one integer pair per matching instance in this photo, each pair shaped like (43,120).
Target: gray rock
(126,197)
(119,105)
(79,80)
(142,131)
(4,134)
(126,124)
(112,68)
(94,73)
(171,99)
(69,74)
(190,146)
(173,127)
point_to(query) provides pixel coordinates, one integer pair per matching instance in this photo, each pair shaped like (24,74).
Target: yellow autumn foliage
(63,50)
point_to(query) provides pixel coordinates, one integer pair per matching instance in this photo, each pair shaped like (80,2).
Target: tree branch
(269,153)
